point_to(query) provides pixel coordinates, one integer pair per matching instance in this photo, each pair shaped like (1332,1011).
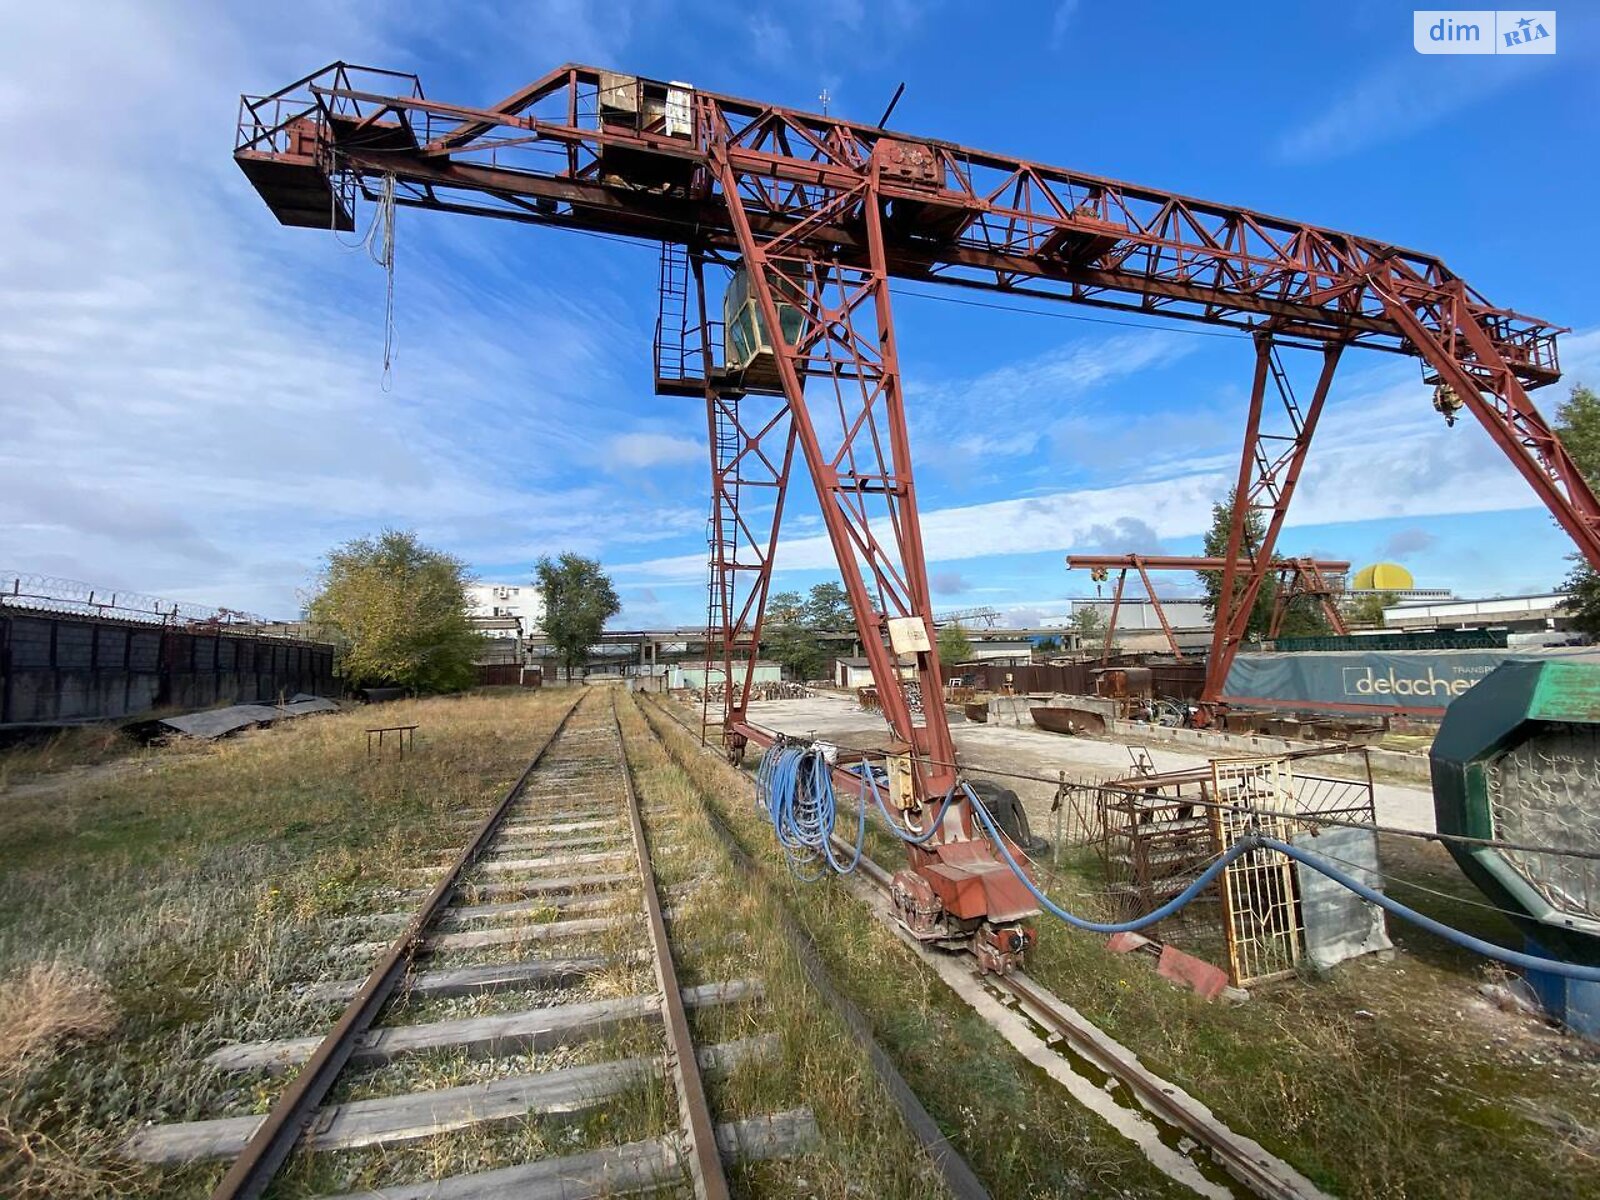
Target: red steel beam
(970,217)
(720,172)
(1155,603)
(862,471)
(1468,360)
(1181,562)
(1116,610)
(752,442)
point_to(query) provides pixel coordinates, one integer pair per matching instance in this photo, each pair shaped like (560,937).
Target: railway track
(1178,1133)
(553,890)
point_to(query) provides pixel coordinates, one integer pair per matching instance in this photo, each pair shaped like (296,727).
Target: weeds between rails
(196,889)
(583,768)
(213,956)
(193,888)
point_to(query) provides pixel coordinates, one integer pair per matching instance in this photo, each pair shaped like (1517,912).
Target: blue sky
(194,396)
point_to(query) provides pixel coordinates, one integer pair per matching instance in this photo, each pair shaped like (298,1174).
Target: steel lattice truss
(823,212)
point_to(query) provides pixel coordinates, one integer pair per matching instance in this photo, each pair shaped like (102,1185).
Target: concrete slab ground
(1034,752)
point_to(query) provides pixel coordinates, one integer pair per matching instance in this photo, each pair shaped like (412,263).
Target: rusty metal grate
(1261,917)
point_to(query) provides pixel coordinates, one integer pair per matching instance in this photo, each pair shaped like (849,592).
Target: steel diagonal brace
(872,361)
(742,616)
(1278,480)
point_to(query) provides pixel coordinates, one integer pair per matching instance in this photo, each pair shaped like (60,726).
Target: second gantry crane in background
(805,219)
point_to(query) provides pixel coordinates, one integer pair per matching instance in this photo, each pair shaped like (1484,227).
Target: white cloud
(1061,22)
(770,38)
(1406,95)
(1021,402)
(654,450)
(192,394)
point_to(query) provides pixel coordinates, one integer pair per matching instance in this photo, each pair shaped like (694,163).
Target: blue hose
(870,781)
(794,787)
(1515,958)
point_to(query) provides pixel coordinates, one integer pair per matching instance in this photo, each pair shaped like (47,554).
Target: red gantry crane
(805,220)
(1321,580)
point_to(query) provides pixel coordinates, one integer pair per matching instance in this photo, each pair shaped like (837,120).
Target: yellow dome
(1383,577)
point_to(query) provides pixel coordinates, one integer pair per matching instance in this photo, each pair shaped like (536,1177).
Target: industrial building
(505,609)
(1540,613)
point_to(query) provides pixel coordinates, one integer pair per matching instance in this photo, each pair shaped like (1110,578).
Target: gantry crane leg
(1465,357)
(752,442)
(1269,470)
(854,439)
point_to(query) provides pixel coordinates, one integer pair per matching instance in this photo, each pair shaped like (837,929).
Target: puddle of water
(1174,1138)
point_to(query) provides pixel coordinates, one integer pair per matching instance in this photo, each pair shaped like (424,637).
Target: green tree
(1216,546)
(785,608)
(1048,645)
(1087,623)
(798,650)
(788,642)
(1305,618)
(1578,425)
(954,646)
(578,601)
(1368,609)
(827,609)
(397,610)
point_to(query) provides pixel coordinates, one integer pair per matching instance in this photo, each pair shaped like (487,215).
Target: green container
(1517,759)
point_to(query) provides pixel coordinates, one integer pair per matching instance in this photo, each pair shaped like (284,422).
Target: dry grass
(1386,1078)
(201,885)
(82,748)
(45,1005)
(1016,1128)
(45,1009)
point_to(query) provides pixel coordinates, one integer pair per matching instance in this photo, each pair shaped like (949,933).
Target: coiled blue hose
(794,786)
(1514,958)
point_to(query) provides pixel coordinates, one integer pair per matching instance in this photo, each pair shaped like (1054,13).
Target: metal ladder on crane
(673,355)
(1266,467)
(722,541)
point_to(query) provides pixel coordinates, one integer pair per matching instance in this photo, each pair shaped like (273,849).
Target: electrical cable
(1065,316)
(1466,941)
(1392,879)
(1313,819)
(901,290)
(869,780)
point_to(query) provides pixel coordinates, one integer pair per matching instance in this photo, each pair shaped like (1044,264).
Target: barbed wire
(50,593)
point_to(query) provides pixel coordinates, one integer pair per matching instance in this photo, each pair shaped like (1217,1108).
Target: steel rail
(705,1160)
(1235,1158)
(296,1108)
(1155,1093)
(959,1177)
(1042,1006)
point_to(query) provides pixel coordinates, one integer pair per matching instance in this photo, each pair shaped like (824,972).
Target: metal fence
(1136,841)
(58,668)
